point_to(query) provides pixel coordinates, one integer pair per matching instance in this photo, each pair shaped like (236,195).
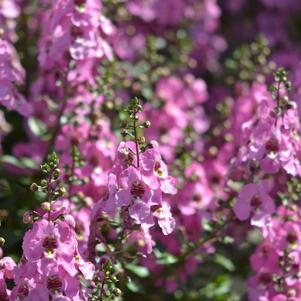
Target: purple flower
(254,201)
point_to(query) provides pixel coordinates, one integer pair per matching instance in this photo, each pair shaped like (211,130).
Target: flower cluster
(171,196)
(270,145)
(7,266)
(12,73)
(51,265)
(137,189)
(276,261)
(74,29)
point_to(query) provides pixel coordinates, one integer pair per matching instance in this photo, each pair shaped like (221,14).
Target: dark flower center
(157,166)
(265,278)
(76,31)
(3,295)
(74,140)
(272,145)
(54,283)
(137,189)
(79,2)
(50,243)
(127,157)
(256,202)
(292,237)
(94,161)
(23,291)
(197,197)
(158,169)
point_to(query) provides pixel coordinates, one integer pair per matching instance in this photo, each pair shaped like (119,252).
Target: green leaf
(224,262)
(20,163)
(134,286)
(165,258)
(37,127)
(140,271)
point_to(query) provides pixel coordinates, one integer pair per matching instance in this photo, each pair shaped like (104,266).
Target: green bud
(62,191)
(141,140)
(117,292)
(46,206)
(147,124)
(43,183)
(34,187)
(56,173)
(124,132)
(45,168)
(114,278)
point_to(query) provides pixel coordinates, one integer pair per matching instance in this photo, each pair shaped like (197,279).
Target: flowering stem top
(131,128)
(50,184)
(280,89)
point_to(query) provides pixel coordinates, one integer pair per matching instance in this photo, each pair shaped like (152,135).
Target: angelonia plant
(150,150)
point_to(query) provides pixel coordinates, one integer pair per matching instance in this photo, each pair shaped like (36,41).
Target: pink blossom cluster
(182,100)
(7,266)
(137,189)
(232,146)
(270,145)
(51,266)
(276,261)
(153,16)
(12,73)
(74,29)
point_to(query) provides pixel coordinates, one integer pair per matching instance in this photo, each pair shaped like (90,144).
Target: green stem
(136,141)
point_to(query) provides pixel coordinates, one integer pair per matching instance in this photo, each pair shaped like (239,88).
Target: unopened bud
(56,173)
(34,187)
(117,292)
(141,140)
(44,183)
(2,241)
(27,217)
(114,278)
(124,132)
(147,124)
(46,206)
(62,190)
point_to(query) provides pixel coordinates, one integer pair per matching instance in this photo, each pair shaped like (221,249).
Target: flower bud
(56,173)
(117,292)
(62,190)
(141,140)
(34,187)
(124,132)
(147,124)
(46,206)
(2,241)
(43,183)
(27,217)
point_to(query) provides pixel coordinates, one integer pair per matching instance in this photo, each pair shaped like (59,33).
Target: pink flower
(47,239)
(137,192)
(11,73)
(77,29)
(254,201)
(165,219)
(7,266)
